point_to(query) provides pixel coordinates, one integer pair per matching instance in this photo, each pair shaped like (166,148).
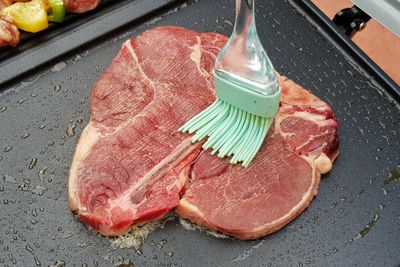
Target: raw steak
(131,165)
(280,182)
(127,163)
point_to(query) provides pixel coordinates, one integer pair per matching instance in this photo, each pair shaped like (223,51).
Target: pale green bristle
(204,130)
(233,138)
(265,123)
(202,118)
(231,131)
(237,141)
(219,130)
(242,147)
(257,141)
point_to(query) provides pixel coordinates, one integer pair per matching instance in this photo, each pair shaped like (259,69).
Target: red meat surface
(131,164)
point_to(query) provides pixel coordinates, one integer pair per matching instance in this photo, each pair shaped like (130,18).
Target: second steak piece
(280,182)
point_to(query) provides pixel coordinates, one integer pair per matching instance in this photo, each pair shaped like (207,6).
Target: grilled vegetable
(56,12)
(28,16)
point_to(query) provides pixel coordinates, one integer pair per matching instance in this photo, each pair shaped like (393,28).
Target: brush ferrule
(247,99)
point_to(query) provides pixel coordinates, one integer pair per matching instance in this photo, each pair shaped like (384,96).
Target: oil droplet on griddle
(169,254)
(22,237)
(367,228)
(3,108)
(33,163)
(59,66)
(331,252)
(9,179)
(7,148)
(44,150)
(57,88)
(160,244)
(42,172)
(66,236)
(25,135)
(22,100)
(394,176)
(84,245)
(41,127)
(71,130)
(11,257)
(58,263)
(34,212)
(29,249)
(124,263)
(37,261)
(38,190)
(385,191)
(77,58)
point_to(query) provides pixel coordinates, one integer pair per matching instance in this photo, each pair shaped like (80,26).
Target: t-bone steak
(132,166)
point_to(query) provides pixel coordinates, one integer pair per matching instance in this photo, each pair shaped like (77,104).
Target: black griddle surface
(43,113)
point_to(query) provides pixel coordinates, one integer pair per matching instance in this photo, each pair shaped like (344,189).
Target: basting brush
(248,94)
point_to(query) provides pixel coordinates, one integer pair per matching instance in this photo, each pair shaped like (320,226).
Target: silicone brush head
(248,94)
(235,126)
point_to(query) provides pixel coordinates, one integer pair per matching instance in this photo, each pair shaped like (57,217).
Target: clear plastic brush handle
(243,60)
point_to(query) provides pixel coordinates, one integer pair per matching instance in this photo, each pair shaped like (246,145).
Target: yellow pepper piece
(28,16)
